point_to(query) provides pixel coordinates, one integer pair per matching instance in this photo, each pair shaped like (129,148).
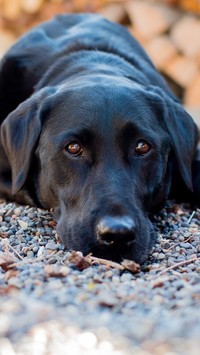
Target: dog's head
(101,154)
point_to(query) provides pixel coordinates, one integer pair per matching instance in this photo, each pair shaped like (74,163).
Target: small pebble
(52,246)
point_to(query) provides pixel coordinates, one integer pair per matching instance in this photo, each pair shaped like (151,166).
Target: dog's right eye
(74,148)
(142,147)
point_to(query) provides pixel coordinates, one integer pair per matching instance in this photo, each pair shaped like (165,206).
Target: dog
(90,129)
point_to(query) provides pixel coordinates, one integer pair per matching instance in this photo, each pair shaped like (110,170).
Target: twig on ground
(125,265)
(14,251)
(188,239)
(190,218)
(107,262)
(181,263)
(176,244)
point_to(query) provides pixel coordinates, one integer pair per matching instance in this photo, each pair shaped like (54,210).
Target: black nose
(115,230)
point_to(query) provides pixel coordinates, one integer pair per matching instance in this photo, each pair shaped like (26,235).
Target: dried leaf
(6,260)
(131,266)
(58,240)
(4,291)
(10,273)
(108,301)
(108,263)
(3,235)
(52,224)
(176,209)
(81,262)
(56,271)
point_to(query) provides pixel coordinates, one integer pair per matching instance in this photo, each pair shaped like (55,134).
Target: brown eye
(74,148)
(142,147)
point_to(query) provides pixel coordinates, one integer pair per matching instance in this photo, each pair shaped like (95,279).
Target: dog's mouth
(112,250)
(112,245)
(113,241)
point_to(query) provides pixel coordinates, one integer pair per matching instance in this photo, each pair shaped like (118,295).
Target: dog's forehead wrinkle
(103,124)
(100,102)
(84,135)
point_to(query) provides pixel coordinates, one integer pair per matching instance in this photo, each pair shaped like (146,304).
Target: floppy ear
(183,133)
(19,136)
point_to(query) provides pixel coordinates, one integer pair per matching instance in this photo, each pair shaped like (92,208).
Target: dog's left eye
(74,148)
(142,147)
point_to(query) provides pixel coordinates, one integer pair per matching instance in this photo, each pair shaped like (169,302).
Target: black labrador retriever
(89,128)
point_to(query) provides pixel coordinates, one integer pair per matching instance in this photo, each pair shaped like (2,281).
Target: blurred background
(169,30)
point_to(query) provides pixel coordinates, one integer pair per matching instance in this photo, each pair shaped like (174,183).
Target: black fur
(81,78)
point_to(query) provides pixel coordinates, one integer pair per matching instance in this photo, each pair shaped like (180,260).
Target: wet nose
(115,230)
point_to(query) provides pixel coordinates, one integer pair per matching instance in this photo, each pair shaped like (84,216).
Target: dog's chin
(120,252)
(114,252)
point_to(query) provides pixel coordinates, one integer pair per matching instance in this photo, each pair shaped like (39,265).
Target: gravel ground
(48,306)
